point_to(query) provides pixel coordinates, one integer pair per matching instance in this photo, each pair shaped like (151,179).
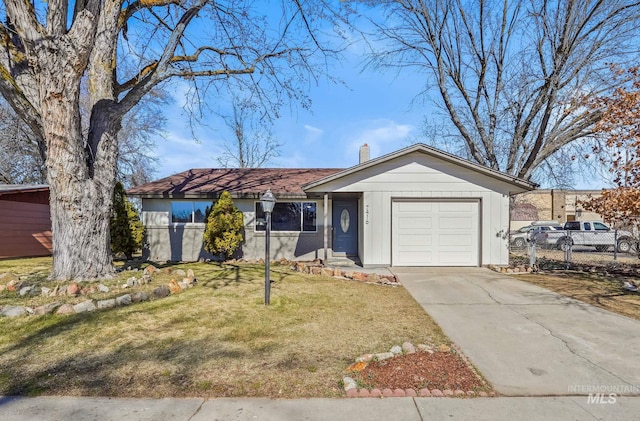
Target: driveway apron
(527,340)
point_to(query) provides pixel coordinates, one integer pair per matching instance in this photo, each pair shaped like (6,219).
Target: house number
(367,214)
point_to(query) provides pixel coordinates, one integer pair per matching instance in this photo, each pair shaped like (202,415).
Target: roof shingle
(240,182)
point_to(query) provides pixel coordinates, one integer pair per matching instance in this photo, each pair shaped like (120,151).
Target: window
(572,225)
(600,227)
(185,212)
(288,216)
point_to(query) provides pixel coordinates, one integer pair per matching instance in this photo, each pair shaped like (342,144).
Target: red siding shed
(25,221)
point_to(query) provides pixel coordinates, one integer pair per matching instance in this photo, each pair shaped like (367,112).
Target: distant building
(551,205)
(25,221)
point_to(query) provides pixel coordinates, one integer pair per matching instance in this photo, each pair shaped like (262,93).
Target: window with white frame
(288,216)
(187,212)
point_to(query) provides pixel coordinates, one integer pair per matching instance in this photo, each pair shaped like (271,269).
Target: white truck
(590,234)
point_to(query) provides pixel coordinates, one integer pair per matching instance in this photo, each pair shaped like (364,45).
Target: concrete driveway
(527,340)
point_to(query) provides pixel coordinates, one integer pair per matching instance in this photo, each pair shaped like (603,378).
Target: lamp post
(268,201)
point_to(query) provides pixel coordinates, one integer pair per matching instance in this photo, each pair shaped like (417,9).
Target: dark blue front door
(345,227)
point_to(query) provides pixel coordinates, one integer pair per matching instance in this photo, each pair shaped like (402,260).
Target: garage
(435,232)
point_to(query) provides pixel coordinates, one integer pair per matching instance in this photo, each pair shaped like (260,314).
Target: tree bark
(80,196)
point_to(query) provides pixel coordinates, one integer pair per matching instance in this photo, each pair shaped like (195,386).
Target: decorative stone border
(512,269)
(74,289)
(316,267)
(352,391)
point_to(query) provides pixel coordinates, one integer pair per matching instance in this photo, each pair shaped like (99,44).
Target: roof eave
(419,147)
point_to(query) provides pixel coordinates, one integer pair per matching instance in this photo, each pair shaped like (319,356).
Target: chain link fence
(576,248)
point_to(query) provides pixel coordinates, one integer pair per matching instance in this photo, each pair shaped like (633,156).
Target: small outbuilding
(25,221)
(418,206)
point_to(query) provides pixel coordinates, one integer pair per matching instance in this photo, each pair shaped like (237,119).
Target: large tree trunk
(81,191)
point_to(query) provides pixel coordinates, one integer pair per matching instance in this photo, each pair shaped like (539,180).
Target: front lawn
(601,290)
(217,339)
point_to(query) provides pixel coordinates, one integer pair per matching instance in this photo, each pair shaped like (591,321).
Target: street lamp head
(268,201)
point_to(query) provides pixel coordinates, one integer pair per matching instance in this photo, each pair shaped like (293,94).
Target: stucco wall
(183,241)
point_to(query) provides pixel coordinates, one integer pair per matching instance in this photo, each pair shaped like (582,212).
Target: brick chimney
(364,153)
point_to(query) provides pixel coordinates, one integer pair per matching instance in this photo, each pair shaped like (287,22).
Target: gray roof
(19,188)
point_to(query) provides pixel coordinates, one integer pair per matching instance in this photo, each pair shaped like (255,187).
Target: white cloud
(383,136)
(312,133)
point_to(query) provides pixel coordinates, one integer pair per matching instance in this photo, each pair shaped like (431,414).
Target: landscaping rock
(45,292)
(102,304)
(145,279)
(408,348)
(150,270)
(65,309)
(73,289)
(25,290)
(161,292)
(13,311)
(123,300)
(103,288)
(373,277)
(326,271)
(174,287)
(46,309)
(132,282)
(384,356)
(184,284)
(190,274)
(365,358)
(444,348)
(181,272)
(137,297)
(88,290)
(396,350)
(349,383)
(84,306)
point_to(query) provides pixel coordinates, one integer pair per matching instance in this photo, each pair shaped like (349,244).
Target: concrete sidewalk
(406,409)
(527,340)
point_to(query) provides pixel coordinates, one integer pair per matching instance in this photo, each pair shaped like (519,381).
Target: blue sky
(371,106)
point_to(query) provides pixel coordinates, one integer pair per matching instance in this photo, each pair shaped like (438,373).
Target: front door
(345,227)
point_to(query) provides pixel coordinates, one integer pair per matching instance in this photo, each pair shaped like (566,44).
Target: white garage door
(430,233)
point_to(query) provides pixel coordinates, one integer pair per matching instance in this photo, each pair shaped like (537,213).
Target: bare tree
(253,144)
(50,47)
(509,75)
(23,162)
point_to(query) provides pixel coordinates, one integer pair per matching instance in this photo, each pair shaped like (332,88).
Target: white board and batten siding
(414,179)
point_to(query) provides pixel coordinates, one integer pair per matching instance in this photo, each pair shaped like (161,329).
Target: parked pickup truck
(591,234)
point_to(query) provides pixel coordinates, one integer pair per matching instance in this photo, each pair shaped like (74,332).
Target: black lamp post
(268,201)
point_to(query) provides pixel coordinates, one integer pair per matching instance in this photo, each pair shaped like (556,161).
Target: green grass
(217,339)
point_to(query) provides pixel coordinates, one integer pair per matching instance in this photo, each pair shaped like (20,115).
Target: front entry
(345,227)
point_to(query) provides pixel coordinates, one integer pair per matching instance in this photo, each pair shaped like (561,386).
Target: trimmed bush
(225,226)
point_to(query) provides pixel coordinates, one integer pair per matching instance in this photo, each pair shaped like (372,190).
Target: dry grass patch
(601,290)
(217,339)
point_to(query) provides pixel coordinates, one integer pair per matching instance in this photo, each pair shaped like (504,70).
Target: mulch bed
(438,370)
